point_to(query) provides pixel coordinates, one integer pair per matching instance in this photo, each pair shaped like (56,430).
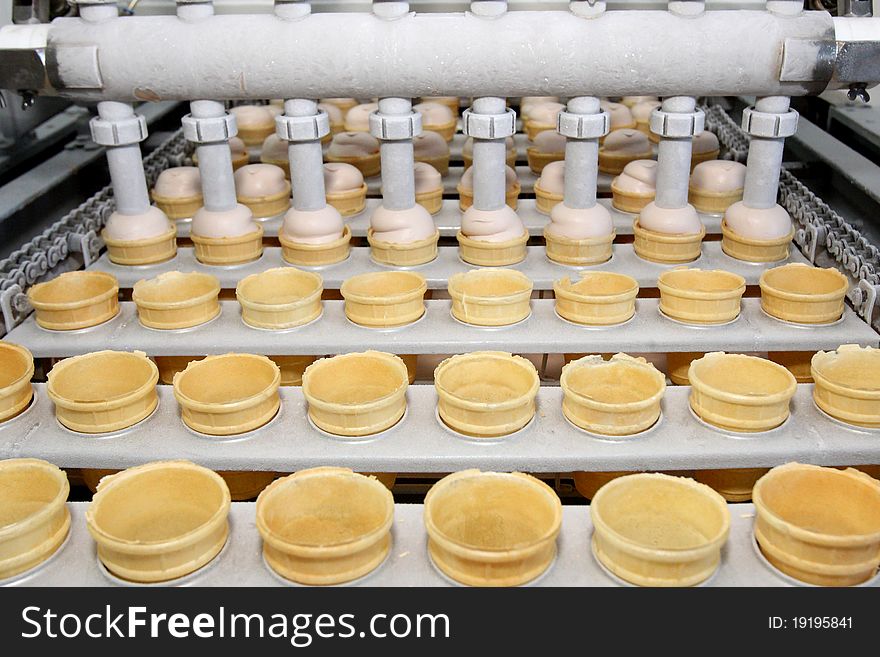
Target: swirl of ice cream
(237,146)
(224,223)
(358,117)
(467,179)
(632,101)
(429,145)
(334,114)
(341,177)
(254,117)
(313,226)
(434,114)
(427,178)
(620,114)
(705,142)
(549,141)
(527,102)
(758,223)
(580,223)
(544,113)
(719,176)
(353,144)
(638,177)
(179,182)
(468,149)
(641,111)
(402,226)
(274,148)
(499,225)
(552,178)
(257,180)
(123,227)
(626,141)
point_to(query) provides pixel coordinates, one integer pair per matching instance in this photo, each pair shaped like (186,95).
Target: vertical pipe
(765,159)
(306,161)
(674,159)
(126,165)
(215,161)
(581,160)
(398,180)
(490,180)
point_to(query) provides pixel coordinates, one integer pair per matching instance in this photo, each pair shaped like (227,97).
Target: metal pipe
(306,161)
(126,165)
(581,160)
(674,159)
(490,160)
(398,179)
(215,161)
(765,159)
(260,56)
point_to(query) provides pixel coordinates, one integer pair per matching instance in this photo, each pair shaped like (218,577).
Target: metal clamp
(209,130)
(488,126)
(771,125)
(302,128)
(677,124)
(395,127)
(583,126)
(118,133)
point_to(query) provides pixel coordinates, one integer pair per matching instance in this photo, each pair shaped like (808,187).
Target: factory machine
(409,251)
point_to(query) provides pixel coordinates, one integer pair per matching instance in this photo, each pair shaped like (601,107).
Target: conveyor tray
(241,563)
(421,443)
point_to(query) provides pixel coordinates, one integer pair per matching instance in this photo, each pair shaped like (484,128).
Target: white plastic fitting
(210,127)
(303,124)
(395,124)
(119,129)
(489,122)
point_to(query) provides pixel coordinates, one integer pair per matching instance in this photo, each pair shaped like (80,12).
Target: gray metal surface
(448,220)
(716,53)
(241,563)
(421,443)
(537,266)
(437,332)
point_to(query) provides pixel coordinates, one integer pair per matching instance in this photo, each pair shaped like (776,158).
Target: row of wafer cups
(162,521)
(482,394)
(286,297)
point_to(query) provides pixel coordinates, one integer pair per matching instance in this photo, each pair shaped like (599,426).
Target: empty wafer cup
(486,393)
(34,519)
(819,525)
(740,393)
(103,391)
(384,299)
(356,394)
(678,363)
(796,362)
(16,372)
(599,298)
(492,528)
(174,300)
(243,485)
(75,300)
(658,530)
(292,368)
(617,397)
(159,521)
(848,384)
(229,394)
(325,525)
(490,297)
(280,298)
(701,296)
(734,485)
(803,294)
